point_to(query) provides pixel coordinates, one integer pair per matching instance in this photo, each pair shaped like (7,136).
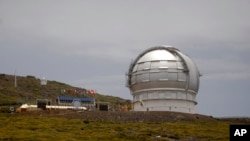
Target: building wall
(165,105)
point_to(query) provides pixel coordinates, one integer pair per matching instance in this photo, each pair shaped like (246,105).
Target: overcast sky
(90,44)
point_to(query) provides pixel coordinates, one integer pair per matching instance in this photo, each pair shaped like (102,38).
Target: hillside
(29,89)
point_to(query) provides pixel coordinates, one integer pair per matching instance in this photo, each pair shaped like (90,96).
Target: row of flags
(78,91)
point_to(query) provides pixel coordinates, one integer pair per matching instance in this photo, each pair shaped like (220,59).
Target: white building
(163,79)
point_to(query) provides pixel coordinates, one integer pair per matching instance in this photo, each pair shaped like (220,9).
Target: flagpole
(15,83)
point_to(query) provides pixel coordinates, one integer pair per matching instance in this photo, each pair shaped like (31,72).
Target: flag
(91,92)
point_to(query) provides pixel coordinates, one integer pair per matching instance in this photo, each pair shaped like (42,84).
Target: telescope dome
(163,79)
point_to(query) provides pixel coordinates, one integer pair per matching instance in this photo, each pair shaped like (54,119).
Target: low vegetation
(25,127)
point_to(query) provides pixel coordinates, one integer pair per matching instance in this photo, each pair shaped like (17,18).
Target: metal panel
(159,76)
(172,76)
(180,65)
(182,76)
(135,68)
(140,66)
(163,65)
(189,96)
(154,76)
(133,79)
(172,95)
(146,65)
(157,55)
(144,77)
(137,98)
(172,64)
(181,95)
(153,94)
(161,94)
(155,64)
(193,73)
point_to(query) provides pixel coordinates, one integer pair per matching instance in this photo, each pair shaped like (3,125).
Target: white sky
(90,44)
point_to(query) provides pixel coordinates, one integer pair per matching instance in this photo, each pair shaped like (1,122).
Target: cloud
(227,76)
(78,21)
(226,69)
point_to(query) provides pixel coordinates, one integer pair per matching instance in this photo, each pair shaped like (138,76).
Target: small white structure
(26,106)
(163,79)
(43,81)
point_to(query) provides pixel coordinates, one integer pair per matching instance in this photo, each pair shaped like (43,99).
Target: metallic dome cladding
(163,79)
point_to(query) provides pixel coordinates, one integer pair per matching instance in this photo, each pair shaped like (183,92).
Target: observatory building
(163,79)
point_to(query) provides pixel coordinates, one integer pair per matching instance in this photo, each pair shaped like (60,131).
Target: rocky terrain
(131,116)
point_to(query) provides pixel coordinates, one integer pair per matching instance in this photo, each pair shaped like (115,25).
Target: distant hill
(29,89)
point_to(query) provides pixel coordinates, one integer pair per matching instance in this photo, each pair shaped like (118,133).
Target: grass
(41,128)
